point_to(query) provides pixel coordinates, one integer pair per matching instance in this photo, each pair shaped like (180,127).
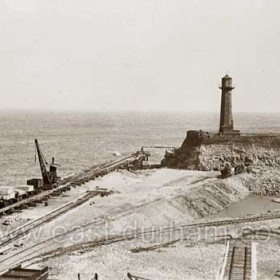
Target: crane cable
(35,153)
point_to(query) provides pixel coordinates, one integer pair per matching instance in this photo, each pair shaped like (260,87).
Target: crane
(50,178)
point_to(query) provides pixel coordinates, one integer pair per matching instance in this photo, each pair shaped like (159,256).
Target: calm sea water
(80,140)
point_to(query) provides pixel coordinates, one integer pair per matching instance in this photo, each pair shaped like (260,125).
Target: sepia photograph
(139,140)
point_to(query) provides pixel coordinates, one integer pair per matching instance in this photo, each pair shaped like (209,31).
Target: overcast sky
(139,54)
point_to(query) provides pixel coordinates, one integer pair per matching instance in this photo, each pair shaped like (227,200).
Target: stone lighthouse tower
(226,119)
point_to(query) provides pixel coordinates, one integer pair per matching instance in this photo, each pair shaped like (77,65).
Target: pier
(132,161)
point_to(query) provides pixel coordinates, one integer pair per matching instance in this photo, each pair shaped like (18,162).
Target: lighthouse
(226,119)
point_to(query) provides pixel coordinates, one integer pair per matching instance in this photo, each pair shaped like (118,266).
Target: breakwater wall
(204,151)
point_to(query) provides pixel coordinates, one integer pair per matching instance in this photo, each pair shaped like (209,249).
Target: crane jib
(43,163)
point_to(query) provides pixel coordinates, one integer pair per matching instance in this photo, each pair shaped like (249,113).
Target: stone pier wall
(210,152)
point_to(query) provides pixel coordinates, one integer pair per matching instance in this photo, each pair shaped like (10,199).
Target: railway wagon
(13,194)
(25,191)
(7,196)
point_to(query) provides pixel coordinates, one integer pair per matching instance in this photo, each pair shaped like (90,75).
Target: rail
(95,171)
(26,228)
(36,251)
(238,261)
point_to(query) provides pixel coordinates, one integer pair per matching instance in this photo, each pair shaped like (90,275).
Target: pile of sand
(166,196)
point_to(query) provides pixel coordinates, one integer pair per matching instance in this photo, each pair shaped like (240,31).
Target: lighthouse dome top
(226,77)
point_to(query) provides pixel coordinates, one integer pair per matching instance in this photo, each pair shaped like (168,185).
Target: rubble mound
(264,182)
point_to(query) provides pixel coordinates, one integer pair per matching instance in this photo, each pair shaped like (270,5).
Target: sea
(79,140)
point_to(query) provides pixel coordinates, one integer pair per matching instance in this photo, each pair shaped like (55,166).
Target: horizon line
(55,110)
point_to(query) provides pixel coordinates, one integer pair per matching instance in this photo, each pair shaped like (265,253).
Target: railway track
(79,179)
(35,253)
(26,228)
(98,170)
(66,183)
(139,234)
(37,248)
(235,221)
(239,262)
(91,174)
